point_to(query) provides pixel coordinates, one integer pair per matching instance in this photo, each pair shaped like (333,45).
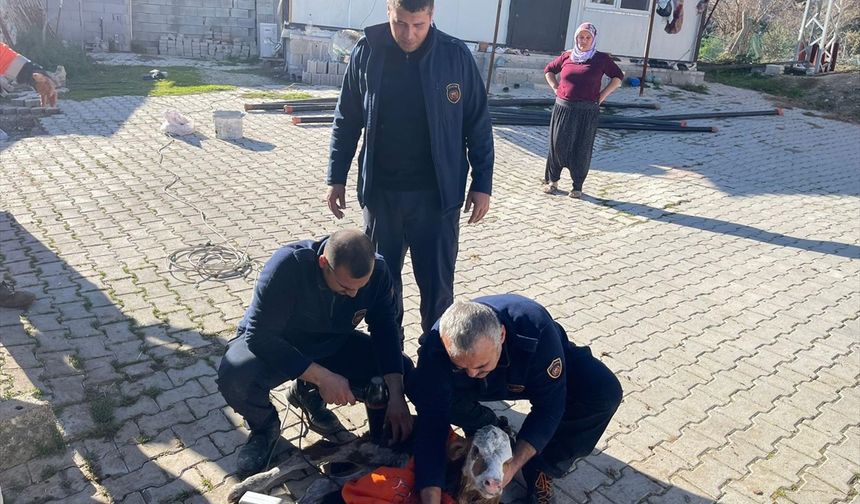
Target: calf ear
(457,449)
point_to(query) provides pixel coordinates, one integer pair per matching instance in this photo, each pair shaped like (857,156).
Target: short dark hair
(411,5)
(352,249)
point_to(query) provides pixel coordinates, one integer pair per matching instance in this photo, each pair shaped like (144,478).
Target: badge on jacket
(554,369)
(358,317)
(454,93)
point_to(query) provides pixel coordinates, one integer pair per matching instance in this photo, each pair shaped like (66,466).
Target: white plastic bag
(176,124)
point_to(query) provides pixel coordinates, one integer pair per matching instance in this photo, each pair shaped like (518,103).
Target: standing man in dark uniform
(417,94)
(300,326)
(508,347)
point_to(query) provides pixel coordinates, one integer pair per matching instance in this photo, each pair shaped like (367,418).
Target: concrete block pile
(188,47)
(324,73)
(301,48)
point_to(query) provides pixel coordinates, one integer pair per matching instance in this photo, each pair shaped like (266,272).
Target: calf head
(483,468)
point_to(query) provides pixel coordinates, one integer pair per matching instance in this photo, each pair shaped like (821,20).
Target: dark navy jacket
(295,318)
(533,351)
(457,114)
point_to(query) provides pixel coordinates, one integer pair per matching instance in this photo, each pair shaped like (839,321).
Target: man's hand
(336,199)
(46,89)
(508,473)
(334,388)
(431,495)
(398,419)
(481,201)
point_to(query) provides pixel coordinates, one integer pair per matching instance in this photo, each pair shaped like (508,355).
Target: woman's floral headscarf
(578,56)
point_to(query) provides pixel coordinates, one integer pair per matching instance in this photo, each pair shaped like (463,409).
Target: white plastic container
(228,124)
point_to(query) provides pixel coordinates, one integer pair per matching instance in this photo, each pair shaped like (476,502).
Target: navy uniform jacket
(457,115)
(532,366)
(295,318)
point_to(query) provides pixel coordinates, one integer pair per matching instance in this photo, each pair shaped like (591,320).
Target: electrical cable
(209,261)
(368,14)
(304,429)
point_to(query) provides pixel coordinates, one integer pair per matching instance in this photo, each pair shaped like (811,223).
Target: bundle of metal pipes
(533,112)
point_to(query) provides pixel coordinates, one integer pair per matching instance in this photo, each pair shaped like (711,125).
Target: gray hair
(464,323)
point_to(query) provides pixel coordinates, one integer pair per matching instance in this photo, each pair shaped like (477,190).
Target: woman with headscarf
(573,125)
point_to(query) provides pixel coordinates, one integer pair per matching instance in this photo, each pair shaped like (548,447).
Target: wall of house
(621,32)
(91,20)
(148,22)
(471,20)
(624,32)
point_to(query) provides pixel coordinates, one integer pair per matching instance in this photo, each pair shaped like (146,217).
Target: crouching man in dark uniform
(508,347)
(300,326)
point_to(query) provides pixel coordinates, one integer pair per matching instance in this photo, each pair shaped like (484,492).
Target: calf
(483,468)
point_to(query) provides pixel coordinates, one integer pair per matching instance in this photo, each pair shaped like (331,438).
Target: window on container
(634,4)
(624,4)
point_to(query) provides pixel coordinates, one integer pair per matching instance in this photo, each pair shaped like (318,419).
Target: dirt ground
(837,94)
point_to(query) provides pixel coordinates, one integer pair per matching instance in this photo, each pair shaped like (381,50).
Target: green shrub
(711,49)
(778,43)
(52,53)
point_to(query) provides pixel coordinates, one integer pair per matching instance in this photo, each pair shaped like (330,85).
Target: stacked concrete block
(185,47)
(302,47)
(190,28)
(324,73)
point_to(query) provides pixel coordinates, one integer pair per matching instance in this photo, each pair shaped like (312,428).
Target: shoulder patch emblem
(554,369)
(453,92)
(358,317)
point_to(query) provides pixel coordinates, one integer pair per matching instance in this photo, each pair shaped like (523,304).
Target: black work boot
(11,299)
(307,397)
(253,456)
(539,489)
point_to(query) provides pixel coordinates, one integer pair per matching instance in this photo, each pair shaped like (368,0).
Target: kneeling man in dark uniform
(300,326)
(508,347)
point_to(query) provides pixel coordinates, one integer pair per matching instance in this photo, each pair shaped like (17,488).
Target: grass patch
(695,88)
(770,84)
(37,393)
(53,445)
(102,411)
(109,80)
(276,95)
(151,391)
(91,469)
(76,362)
(48,472)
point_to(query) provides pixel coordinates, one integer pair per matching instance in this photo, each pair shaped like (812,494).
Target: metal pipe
(548,102)
(493,50)
(647,47)
(313,119)
(279,105)
(531,122)
(718,115)
(321,107)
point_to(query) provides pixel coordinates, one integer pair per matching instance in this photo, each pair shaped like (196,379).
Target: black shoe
(539,489)
(254,455)
(11,299)
(307,398)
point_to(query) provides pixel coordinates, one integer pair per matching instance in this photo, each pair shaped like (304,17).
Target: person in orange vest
(16,67)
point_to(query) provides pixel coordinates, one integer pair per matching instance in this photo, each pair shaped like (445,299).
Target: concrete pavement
(717,274)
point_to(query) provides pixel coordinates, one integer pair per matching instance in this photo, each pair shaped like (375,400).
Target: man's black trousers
(245,380)
(401,220)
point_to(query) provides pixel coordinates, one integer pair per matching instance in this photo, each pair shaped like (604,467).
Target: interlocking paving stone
(718,275)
